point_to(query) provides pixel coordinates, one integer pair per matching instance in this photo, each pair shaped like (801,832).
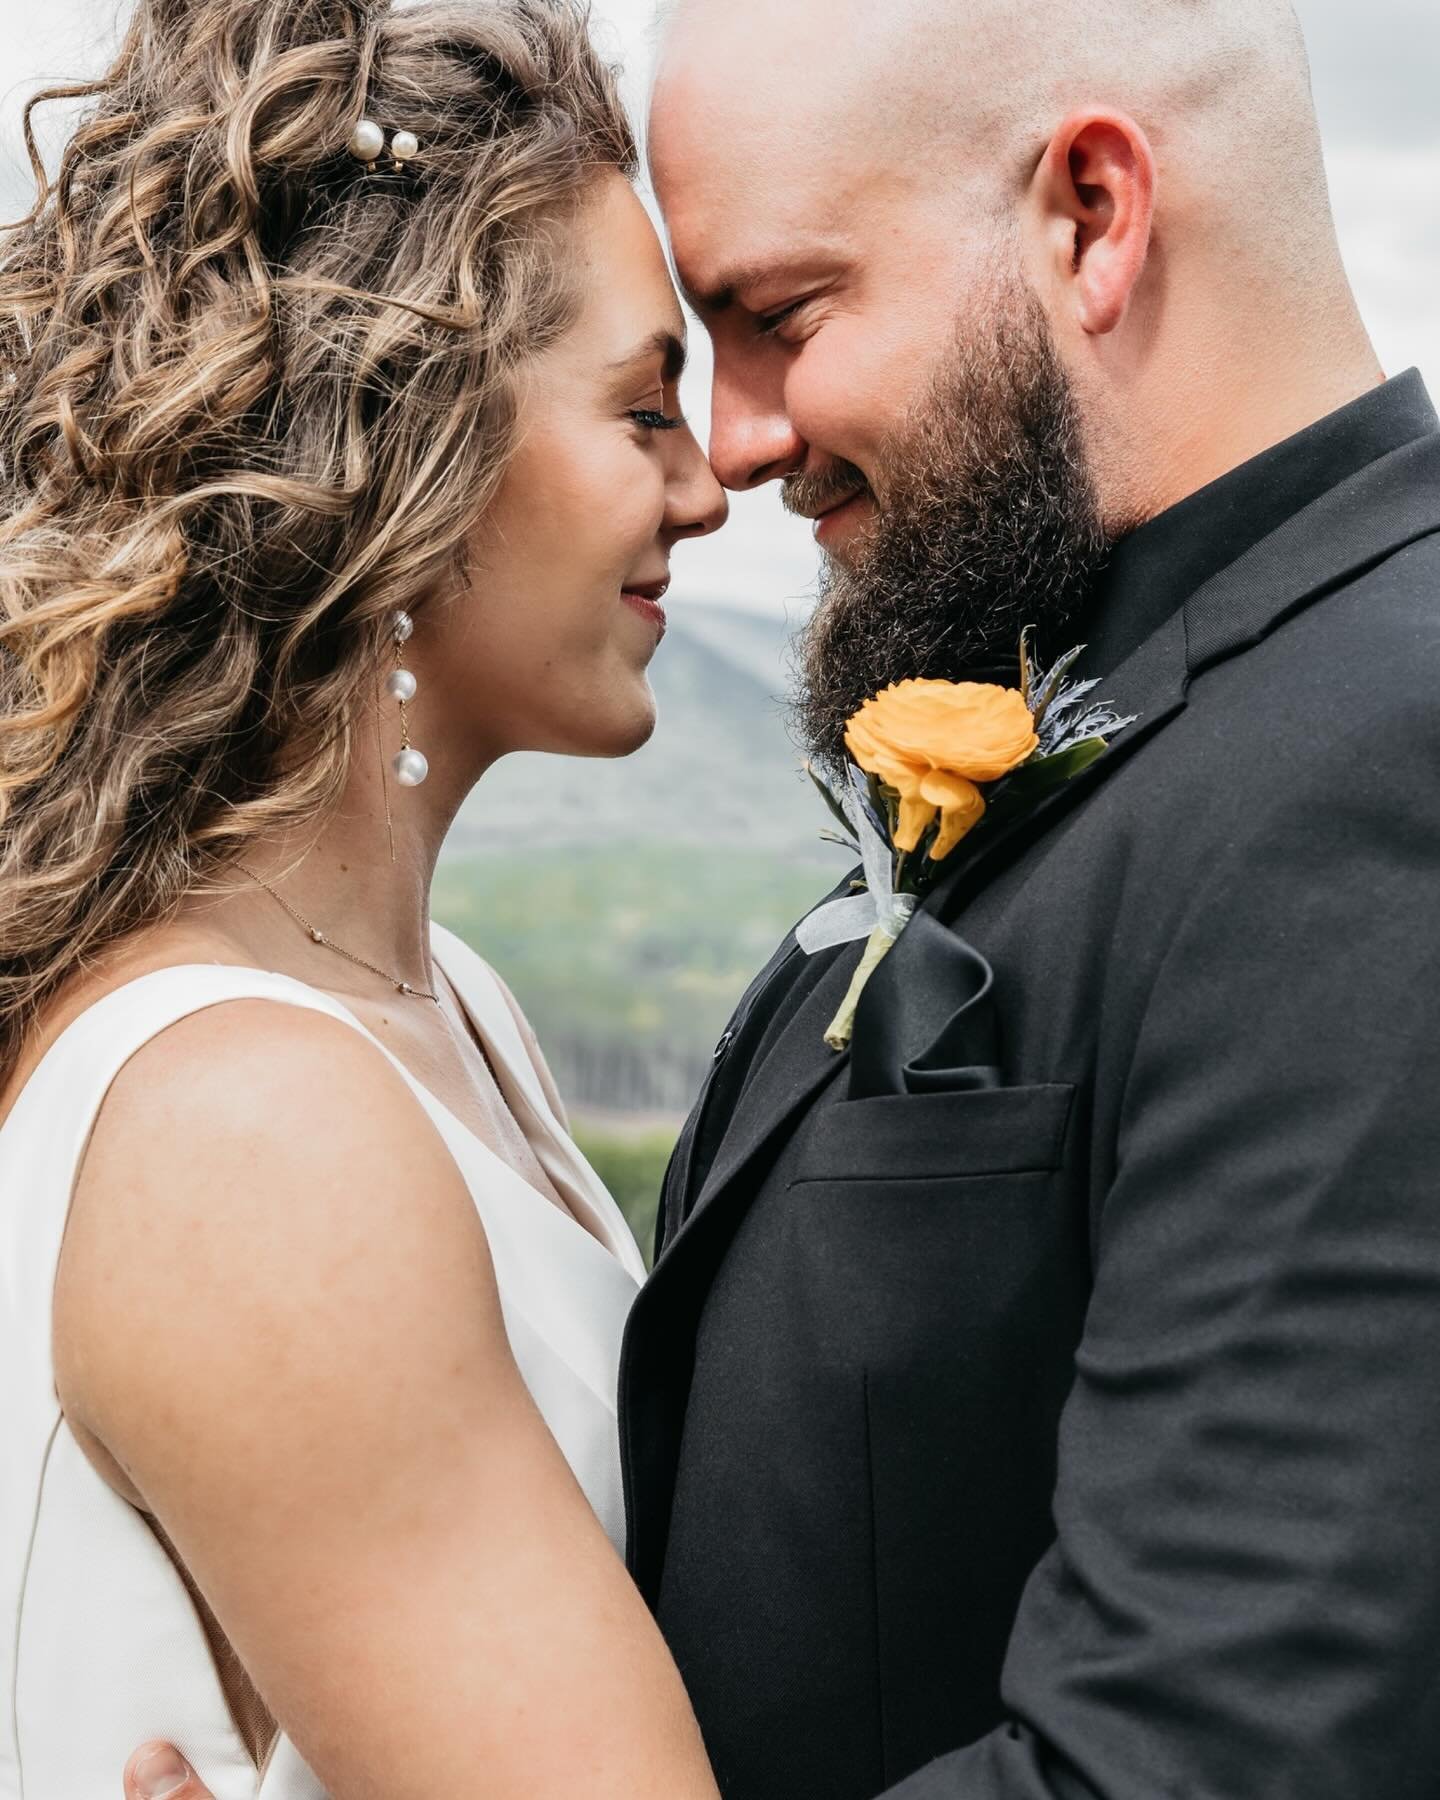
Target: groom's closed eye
(764,290)
(768,324)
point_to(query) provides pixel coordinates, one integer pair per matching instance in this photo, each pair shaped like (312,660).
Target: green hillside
(628,960)
(631,925)
(720,768)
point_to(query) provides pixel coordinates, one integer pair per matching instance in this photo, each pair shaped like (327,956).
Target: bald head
(969,96)
(849,185)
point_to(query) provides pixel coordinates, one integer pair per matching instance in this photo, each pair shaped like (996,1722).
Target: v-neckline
(511,1087)
(616,1229)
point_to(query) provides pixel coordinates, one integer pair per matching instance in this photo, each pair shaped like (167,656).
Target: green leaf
(886,802)
(1027,671)
(824,792)
(1032,781)
(1069,763)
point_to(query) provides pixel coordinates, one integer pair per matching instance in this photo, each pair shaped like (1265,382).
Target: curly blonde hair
(253,398)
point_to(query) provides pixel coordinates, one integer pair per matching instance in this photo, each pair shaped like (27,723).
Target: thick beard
(989,523)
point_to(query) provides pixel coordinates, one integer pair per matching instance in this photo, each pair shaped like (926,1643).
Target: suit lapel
(1149,686)
(735,1045)
(738,1057)
(792,1064)
(1390,503)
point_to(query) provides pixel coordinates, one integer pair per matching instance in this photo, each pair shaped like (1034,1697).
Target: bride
(340,457)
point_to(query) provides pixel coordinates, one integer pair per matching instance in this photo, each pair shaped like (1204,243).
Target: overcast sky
(1377,85)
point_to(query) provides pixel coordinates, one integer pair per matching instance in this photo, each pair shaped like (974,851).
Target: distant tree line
(656,1076)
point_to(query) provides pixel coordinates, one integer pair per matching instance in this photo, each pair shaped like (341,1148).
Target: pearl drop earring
(409,764)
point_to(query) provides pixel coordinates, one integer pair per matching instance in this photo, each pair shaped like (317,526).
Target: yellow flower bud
(932,742)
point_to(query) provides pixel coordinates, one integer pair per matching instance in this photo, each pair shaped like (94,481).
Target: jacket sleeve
(1243,1599)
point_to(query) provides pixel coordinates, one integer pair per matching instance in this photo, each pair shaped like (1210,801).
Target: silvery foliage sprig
(1061,721)
(1072,735)
(1073,730)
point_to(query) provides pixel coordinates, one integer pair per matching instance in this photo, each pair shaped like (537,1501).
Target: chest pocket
(930,1137)
(935,1254)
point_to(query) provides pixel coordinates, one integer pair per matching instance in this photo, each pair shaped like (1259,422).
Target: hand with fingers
(159,1772)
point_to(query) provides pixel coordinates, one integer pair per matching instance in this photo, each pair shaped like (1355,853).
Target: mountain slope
(720,770)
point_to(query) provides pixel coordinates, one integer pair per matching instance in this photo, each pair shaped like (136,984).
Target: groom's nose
(752,439)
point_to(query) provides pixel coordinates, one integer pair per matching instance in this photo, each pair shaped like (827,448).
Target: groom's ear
(1094,191)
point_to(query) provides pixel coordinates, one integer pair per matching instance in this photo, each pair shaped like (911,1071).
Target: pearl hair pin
(367,143)
(367,140)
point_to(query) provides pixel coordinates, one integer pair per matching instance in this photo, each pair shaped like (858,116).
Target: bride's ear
(1095,193)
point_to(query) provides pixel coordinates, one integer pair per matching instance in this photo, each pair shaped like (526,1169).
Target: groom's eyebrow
(745,277)
(664,344)
(722,296)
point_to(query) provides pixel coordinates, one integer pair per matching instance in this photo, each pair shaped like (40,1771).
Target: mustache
(807,496)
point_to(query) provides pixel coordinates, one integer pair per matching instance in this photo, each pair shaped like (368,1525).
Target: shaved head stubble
(988,523)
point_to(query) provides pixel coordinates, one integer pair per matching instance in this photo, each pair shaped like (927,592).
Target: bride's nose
(696,504)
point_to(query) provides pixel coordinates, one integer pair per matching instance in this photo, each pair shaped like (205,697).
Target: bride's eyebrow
(664,344)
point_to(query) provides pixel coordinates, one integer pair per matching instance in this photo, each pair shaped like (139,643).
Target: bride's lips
(645,600)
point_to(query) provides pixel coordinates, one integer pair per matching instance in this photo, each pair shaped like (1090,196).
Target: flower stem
(842,1026)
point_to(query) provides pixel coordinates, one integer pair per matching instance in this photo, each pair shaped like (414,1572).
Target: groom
(1040,1401)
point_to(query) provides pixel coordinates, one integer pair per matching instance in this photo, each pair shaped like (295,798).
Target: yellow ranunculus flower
(932,741)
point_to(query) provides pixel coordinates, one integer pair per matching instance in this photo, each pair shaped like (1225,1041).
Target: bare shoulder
(252,1094)
(146,952)
(251,1067)
(261,1181)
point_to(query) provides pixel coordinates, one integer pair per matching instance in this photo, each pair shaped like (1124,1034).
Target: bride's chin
(621,732)
(636,734)
(605,719)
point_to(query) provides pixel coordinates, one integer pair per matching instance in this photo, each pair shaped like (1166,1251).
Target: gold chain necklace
(319,937)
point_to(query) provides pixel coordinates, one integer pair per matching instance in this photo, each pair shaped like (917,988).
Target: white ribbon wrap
(879,908)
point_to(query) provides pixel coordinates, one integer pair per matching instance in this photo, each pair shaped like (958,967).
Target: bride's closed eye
(650,419)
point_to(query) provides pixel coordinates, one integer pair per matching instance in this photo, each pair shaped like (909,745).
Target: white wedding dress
(103,1646)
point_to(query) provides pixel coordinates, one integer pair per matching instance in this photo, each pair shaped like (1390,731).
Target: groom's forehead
(737,232)
(766,145)
(749,191)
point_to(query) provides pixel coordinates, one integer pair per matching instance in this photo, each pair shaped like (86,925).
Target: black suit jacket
(1051,1387)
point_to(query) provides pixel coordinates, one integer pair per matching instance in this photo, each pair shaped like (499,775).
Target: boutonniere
(929,762)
